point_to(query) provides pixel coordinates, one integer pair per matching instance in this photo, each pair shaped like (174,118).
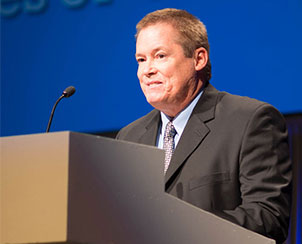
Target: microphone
(68,92)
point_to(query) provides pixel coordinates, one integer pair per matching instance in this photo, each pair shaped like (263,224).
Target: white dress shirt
(179,122)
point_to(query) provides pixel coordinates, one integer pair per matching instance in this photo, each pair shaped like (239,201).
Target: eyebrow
(137,54)
(153,51)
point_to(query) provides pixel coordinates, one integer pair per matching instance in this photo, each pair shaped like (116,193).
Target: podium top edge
(38,134)
(71,133)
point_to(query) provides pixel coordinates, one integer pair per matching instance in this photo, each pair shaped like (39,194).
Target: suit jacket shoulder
(232,105)
(143,130)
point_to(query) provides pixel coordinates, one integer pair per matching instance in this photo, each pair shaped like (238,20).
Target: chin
(153,99)
(157,105)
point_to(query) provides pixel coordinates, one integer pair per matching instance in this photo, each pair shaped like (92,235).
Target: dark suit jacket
(232,160)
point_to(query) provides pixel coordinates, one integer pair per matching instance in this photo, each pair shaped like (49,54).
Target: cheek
(176,84)
(140,77)
(171,72)
(138,73)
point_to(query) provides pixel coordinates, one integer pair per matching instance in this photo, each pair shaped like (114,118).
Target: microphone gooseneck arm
(69,91)
(52,112)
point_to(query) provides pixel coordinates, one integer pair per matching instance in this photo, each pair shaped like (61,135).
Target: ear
(200,58)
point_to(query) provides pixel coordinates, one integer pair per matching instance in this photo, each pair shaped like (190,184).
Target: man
(230,153)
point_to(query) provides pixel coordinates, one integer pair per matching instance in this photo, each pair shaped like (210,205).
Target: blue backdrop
(49,45)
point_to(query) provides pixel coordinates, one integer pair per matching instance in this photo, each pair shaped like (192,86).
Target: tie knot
(170,130)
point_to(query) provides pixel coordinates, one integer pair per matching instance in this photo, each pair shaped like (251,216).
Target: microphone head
(69,91)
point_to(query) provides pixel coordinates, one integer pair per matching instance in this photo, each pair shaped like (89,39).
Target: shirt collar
(182,118)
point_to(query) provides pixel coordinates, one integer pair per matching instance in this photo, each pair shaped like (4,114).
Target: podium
(70,187)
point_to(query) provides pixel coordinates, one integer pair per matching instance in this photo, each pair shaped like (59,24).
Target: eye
(139,60)
(160,55)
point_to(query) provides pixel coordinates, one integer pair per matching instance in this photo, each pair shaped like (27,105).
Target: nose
(149,69)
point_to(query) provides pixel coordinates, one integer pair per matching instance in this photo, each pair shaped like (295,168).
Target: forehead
(165,26)
(156,35)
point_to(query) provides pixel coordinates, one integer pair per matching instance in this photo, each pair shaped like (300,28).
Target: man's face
(167,77)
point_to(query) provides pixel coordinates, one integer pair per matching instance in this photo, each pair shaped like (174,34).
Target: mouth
(153,83)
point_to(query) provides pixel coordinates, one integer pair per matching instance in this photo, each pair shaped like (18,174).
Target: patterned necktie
(169,144)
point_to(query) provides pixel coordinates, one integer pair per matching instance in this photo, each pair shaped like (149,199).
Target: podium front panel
(34,188)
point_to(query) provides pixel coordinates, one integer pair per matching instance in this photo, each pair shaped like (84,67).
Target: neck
(174,109)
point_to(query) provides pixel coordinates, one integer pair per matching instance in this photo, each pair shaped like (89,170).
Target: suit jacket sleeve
(264,175)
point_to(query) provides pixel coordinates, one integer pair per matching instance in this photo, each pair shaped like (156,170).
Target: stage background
(49,45)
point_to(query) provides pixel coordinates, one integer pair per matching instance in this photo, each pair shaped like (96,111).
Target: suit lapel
(149,134)
(192,136)
(194,132)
